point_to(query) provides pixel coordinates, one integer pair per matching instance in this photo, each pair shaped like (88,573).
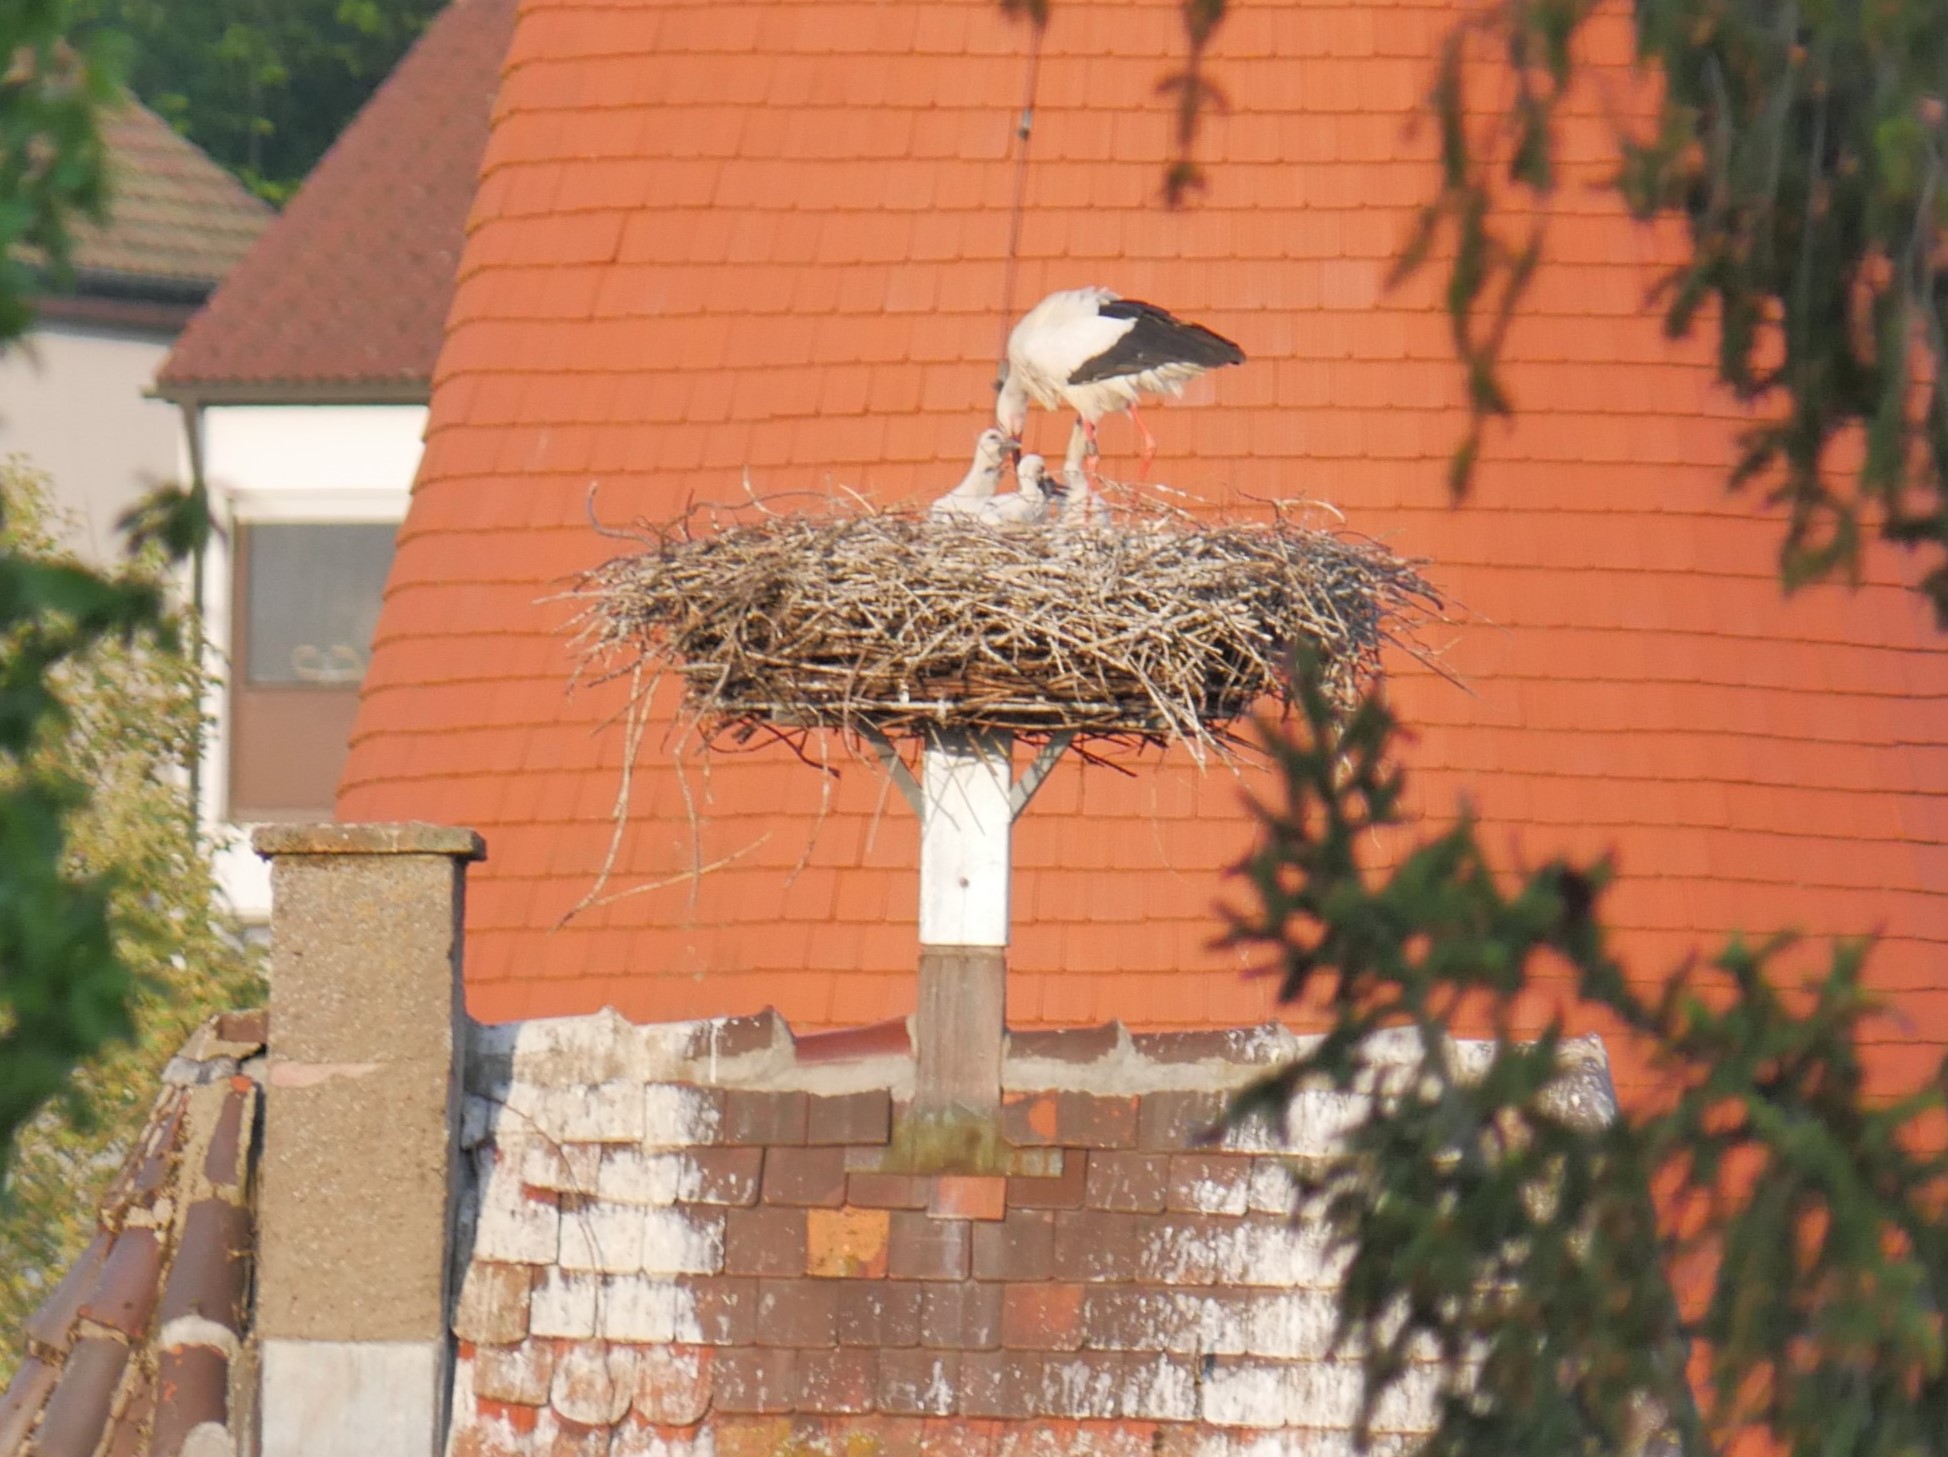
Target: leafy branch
(1800,143)
(1497,1210)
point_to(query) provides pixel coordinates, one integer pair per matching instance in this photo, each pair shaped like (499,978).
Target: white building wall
(267,463)
(71,401)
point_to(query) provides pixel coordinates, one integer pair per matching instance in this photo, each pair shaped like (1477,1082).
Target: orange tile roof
(769,235)
(350,285)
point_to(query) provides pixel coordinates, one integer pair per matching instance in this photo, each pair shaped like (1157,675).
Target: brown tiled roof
(694,1237)
(133,1350)
(349,287)
(177,222)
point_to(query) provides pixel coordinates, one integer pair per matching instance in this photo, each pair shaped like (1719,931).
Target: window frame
(314,711)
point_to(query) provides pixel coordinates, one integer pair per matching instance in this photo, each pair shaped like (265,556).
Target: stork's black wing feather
(1158,337)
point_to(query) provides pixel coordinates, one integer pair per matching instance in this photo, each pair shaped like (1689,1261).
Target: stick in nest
(1161,630)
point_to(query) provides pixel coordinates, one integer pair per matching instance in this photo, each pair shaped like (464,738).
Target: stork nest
(888,623)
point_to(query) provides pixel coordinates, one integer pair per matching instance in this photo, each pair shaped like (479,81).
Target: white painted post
(965,818)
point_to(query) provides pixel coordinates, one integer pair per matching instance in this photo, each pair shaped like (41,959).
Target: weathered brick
(724,1176)
(1098,1438)
(594,1382)
(1131,1318)
(754,1379)
(574,1439)
(726,1037)
(1060,1191)
(882,1313)
(1095,1244)
(921,1248)
(961,1316)
(1021,1247)
(1082,1383)
(727,1310)
(681,1115)
(754,1116)
(673,1384)
(885,1436)
(1208,1183)
(1178,1119)
(961,1437)
(1161,1387)
(520,1373)
(1073,1045)
(1132,1182)
(854,1118)
(764,1242)
(845,1379)
(1046,1317)
(888,1191)
(1085,1121)
(797,1312)
(1261,1045)
(917,1382)
(1190,1249)
(1273,1189)
(493,1305)
(968,1196)
(847,1242)
(750,1436)
(1002,1384)
(805,1176)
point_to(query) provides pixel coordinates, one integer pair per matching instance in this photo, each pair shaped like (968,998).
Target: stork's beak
(1014,451)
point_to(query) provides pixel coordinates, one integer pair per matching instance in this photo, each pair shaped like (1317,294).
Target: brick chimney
(359,1160)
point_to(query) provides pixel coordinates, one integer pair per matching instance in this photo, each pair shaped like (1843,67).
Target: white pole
(966,815)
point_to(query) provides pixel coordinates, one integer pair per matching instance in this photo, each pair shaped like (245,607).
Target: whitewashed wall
(71,400)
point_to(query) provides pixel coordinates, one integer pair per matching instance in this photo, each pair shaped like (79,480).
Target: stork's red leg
(1149,444)
(1089,456)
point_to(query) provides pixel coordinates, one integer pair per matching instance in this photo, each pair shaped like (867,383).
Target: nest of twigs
(888,623)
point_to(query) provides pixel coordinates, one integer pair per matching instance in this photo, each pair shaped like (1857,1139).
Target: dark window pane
(314,594)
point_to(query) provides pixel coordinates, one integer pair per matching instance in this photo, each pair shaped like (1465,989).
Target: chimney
(359,1166)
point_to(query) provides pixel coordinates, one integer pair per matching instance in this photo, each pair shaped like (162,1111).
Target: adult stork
(1099,353)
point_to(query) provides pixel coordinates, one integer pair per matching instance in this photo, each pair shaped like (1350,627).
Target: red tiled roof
(132,1350)
(769,235)
(350,286)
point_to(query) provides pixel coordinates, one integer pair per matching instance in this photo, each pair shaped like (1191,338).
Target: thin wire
(1024,133)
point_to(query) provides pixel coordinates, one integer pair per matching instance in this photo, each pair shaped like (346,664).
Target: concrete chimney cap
(332,838)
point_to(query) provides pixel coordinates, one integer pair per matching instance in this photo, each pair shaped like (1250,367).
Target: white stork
(977,486)
(1098,353)
(1023,506)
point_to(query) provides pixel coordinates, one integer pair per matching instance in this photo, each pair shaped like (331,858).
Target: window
(307,601)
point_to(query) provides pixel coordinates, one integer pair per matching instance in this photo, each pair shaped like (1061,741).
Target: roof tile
(174,216)
(753,316)
(350,285)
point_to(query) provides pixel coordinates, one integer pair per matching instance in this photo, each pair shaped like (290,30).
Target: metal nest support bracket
(1020,793)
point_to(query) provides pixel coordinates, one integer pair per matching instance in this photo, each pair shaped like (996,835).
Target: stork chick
(977,486)
(1026,504)
(1098,354)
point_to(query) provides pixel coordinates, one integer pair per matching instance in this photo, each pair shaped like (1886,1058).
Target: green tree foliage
(129,727)
(264,86)
(65,982)
(1801,145)
(52,164)
(1493,1230)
